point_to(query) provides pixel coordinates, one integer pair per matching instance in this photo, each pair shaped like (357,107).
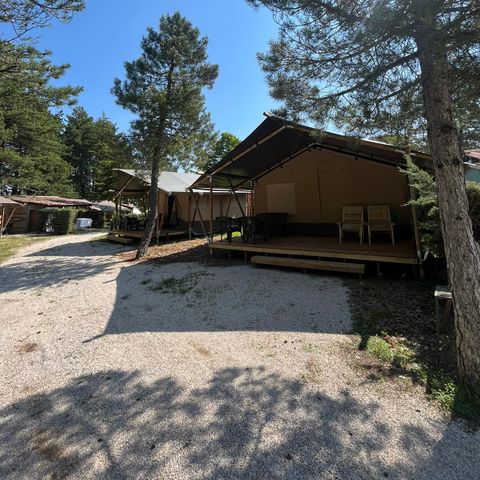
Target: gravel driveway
(112,369)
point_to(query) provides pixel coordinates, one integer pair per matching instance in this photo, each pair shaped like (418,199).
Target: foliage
(404,336)
(19,17)
(223,145)
(357,63)
(94,148)
(426,203)
(60,220)
(163,87)
(30,146)
(9,245)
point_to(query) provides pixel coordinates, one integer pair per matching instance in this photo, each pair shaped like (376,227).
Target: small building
(7,210)
(472,165)
(27,217)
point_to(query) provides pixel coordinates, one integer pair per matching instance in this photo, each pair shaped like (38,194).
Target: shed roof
(473,154)
(8,201)
(51,201)
(276,141)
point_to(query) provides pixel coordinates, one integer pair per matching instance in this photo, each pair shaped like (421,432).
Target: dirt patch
(26,347)
(205,352)
(195,250)
(42,442)
(313,372)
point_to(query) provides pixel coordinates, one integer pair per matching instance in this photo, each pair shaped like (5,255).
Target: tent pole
(2,221)
(228,204)
(197,209)
(117,217)
(189,216)
(157,223)
(211,208)
(123,188)
(238,201)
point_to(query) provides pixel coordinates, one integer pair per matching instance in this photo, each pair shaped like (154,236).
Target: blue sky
(108,32)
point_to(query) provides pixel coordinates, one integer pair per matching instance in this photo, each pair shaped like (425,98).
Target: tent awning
(276,141)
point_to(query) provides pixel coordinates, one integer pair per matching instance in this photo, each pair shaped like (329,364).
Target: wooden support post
(228,204)
(117,217)
(2,221)
(197,208)
(236,198)
(189,216)
(211,208)
(157,226)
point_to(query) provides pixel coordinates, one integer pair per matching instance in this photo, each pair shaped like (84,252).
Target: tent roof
(276,140)
(8,201)
(170,182)
(137,182)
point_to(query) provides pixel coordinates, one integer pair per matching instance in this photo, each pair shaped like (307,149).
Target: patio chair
(228,225)
(352,221)
(379,220)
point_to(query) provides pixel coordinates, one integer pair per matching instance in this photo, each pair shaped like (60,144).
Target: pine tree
(163,88)
(362,56)
(30,145)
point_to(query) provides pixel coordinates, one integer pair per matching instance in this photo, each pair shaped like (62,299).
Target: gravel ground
(111,369)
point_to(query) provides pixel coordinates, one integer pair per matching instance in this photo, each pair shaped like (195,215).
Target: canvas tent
(179,206)
(312,175)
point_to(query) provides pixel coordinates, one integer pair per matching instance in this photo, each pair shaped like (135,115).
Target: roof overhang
(276,141)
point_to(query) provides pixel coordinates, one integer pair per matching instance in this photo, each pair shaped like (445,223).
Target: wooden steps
(304,263)
(113,237)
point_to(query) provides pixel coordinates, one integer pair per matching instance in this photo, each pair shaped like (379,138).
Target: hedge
(60,220)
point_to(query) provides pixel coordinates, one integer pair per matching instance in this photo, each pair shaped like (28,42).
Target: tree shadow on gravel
(243,424)
(57,265)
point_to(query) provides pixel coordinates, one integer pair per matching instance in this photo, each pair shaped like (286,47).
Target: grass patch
(10,244)
(396,323)
(179,286)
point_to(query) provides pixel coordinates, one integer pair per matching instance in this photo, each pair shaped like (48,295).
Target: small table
(442,292)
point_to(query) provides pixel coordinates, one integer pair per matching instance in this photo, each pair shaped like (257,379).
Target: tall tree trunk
(461,250)
(153,208)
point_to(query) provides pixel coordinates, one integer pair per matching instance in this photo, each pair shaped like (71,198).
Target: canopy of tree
(372,62)
(30,144)
(163,88)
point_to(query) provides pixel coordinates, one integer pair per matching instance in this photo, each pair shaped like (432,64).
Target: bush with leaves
(59,221)
(426,203)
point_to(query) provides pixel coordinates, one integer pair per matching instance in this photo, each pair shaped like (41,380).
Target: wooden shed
(27,217)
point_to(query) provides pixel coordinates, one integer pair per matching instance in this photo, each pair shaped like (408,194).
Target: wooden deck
(325,247)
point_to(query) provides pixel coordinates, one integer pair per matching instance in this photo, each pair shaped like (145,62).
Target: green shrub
(60,221)
(380,348)
(427,207)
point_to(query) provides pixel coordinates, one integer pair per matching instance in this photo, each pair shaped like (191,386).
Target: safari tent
(181,209)
(311,179)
